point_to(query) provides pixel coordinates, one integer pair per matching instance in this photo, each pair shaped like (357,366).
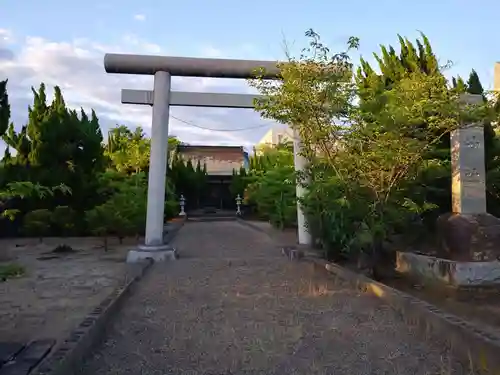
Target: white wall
(276,135)
(496,79)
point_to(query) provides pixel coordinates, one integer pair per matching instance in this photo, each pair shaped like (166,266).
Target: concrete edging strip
(173,227)
(67,357)
(469,343)
(252,226)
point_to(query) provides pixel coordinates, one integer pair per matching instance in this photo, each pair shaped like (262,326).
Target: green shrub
(124,212)
(336,214)
(63,219)
(97,220)
(273,193)
(37,223)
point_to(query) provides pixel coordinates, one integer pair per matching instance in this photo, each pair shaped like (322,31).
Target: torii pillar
(163,68)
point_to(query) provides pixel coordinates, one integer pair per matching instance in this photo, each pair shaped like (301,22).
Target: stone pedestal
(159,253)
(431,270)
(469,233)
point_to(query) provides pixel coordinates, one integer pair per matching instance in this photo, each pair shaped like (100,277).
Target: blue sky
(59,43)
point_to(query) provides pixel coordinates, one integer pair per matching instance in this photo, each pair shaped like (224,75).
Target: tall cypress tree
(65,147)
(491,149)
(459,84)
(419,58)
(474,85)
(4,108)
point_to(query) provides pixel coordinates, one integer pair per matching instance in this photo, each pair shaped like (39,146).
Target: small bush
(274,195)
(37,223)
(98,220)
(62,249)
(336,213)
(63,219)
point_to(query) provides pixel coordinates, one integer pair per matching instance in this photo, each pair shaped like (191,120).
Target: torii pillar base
(161,253)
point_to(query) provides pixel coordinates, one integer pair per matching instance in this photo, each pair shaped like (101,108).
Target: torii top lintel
(188,66)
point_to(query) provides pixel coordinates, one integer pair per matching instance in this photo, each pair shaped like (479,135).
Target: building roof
(219,160)
(181,148)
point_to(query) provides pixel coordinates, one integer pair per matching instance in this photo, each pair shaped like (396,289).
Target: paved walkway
(233,305)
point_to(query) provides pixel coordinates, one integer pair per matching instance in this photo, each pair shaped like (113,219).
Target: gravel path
(233,305)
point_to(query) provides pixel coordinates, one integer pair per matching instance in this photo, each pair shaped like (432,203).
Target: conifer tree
(459,84)
(413,58)
(4,108)
(474,85)
(491,149)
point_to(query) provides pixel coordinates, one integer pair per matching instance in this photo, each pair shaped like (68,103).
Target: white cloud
(77,67)
(145,47)
(140,17)
(212,52)
(5,36)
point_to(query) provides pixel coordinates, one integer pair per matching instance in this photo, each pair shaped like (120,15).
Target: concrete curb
(213,218)
(251,225)
(470,344)
(172,228)
(67,357)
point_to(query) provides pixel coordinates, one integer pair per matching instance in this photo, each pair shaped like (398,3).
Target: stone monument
(469,233)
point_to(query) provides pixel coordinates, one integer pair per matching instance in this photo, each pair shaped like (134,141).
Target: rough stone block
(469,237)
(448,272)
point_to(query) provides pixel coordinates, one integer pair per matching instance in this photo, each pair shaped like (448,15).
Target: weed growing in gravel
(8,271)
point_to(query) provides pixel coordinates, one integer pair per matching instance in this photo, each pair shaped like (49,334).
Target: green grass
(10,270)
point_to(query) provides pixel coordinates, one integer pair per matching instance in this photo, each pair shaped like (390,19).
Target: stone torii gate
(161,98)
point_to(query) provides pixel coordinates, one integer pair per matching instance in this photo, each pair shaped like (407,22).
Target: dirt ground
(481,307)
(57,289)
